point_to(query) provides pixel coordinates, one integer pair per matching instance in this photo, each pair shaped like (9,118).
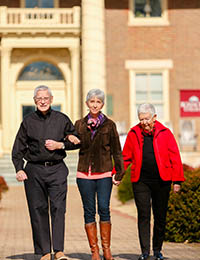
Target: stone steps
(8,172)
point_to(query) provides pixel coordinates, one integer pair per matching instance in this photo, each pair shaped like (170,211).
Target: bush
(3,186)
(125,191)
(183,217)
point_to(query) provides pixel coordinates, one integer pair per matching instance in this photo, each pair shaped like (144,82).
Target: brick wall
(10,3)
(185,52)
(69,3)
(116,53)
(179,41)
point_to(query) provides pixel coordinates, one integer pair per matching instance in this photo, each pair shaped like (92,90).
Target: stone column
(0,91)
(1,150)
(5,99)
(75,90)
(93,47)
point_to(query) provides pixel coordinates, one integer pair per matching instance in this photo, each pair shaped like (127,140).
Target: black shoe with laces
(144,257)
(158,256)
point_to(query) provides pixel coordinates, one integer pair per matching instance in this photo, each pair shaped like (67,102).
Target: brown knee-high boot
(105,230)
(91,230)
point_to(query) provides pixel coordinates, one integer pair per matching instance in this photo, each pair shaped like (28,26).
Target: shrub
(183,217)
(188,168)
(3,186)
(125,191)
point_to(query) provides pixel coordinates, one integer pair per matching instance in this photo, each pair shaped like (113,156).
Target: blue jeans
(92,189)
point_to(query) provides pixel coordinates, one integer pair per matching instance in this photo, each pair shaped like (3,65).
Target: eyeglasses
(40,99)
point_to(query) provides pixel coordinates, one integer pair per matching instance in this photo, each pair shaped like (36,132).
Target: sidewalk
(16,240)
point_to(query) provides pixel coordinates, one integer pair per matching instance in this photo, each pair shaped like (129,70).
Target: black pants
(46,190)
(156,195)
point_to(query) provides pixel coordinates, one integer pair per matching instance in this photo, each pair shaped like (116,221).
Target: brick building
(135,50)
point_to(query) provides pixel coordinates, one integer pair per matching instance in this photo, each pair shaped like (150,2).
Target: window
(148,8)
(40,70)
(148,12)
(39,3)
(26,110)
(109,102)
(149,82)
(149,89)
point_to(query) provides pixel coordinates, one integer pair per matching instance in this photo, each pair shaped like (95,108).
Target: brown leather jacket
(99,151)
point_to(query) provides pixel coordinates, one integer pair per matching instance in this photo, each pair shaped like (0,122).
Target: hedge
(183,216)
(125,191)
(3,186)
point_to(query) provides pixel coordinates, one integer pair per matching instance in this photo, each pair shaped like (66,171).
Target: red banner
(189,103)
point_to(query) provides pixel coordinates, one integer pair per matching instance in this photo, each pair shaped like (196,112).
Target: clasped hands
(54,145)
(50,145)
(117,183)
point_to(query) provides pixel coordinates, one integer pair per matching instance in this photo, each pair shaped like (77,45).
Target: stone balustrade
(12,19)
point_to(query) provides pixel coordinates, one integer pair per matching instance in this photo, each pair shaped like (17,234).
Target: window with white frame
(149,83)
(149,89)
(148,12)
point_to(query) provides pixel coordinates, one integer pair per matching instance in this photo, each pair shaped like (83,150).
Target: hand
(73,139)
(53,145)
(21,176)
(176,188)
(117,183)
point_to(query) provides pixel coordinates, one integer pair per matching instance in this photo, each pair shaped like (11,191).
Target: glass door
(40,3)
(29,109)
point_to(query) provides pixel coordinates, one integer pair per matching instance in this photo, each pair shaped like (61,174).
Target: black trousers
(46,190)
(155,195)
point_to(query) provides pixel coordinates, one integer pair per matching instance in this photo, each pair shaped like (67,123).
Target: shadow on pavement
(24,256)
(82,256)
(132,257)
(126,256)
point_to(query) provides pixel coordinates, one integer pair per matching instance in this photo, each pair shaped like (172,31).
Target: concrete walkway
(16,240)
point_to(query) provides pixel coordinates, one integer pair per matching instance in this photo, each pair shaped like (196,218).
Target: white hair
(42,87)
(146,108)
(95,93)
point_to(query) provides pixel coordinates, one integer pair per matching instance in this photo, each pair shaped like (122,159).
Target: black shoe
(143,257)
(158,256)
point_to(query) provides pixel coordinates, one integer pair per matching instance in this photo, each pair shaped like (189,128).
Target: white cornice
(146,64)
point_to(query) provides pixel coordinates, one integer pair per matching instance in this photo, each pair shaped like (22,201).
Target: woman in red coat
(155,161)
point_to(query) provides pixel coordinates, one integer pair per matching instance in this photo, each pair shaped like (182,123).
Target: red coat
(165,149)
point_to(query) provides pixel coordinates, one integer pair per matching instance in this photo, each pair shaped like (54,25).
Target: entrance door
(26,110)
(24,103)
(33,75)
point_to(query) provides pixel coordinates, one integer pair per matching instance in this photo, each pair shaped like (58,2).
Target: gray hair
(95,93)
(42,87)
(146,108)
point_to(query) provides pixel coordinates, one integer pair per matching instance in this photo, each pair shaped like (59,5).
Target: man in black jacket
(41,141)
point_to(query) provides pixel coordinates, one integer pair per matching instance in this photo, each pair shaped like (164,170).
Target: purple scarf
(94,123)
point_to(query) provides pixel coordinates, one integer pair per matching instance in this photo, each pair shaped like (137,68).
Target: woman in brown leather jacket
(99,146)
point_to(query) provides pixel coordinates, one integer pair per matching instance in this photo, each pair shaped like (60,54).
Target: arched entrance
(35,74)
(26,68)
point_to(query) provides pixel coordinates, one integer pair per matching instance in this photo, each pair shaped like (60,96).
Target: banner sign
(190,103)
